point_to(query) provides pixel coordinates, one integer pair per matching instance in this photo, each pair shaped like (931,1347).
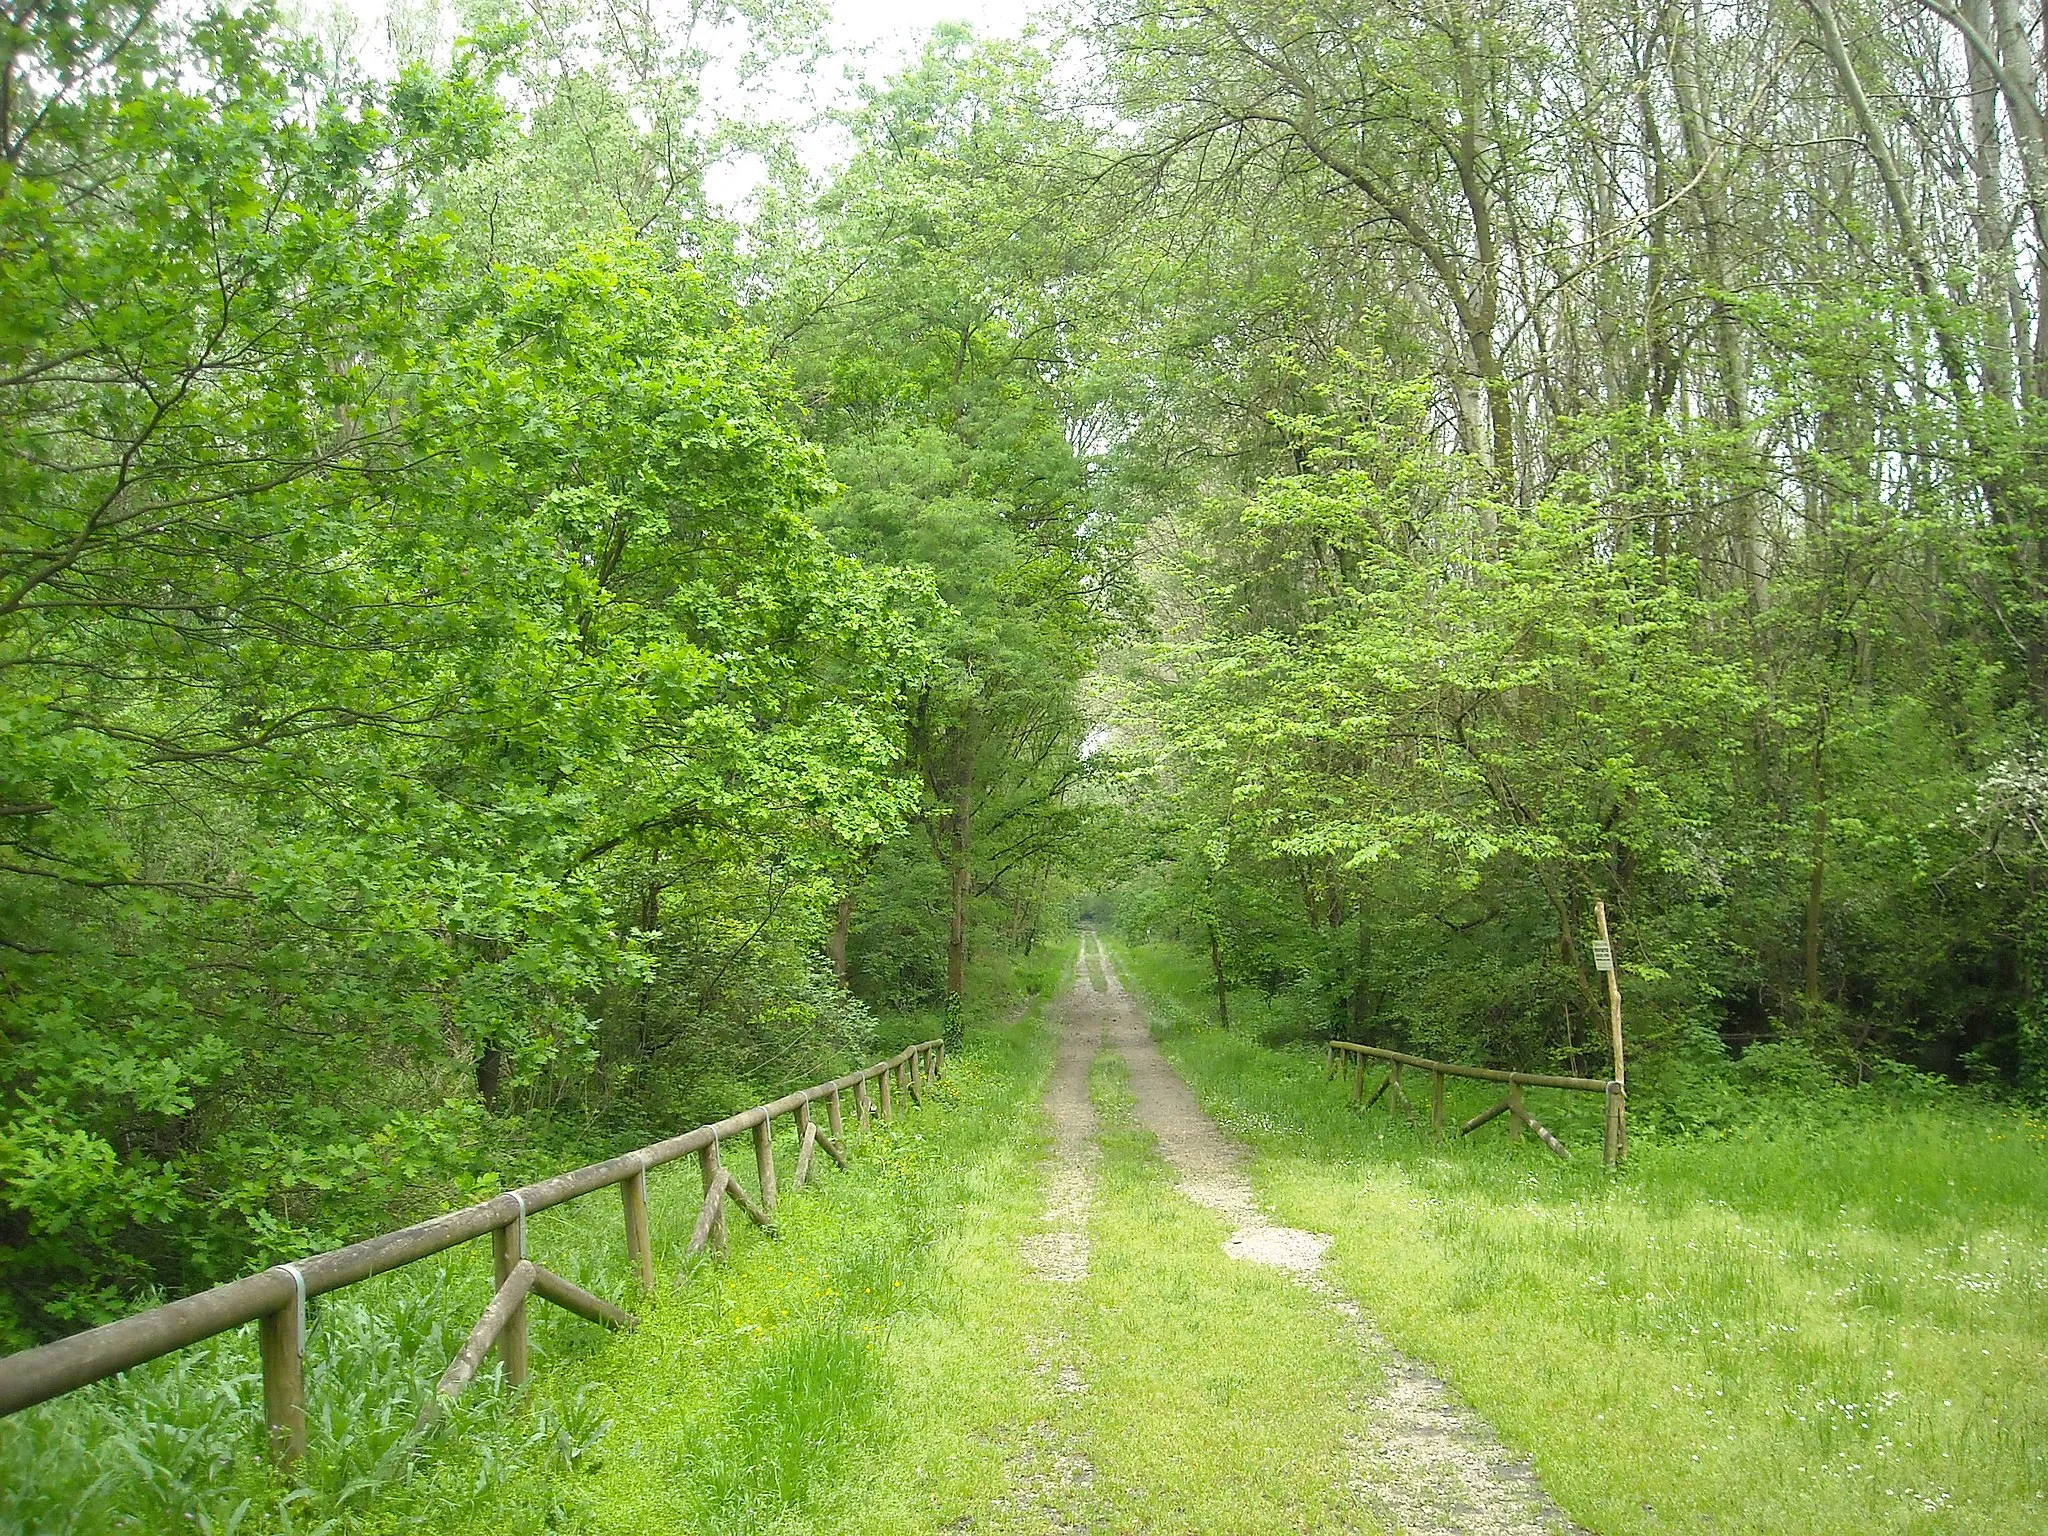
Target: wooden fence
(1512,1106)
(275,1300)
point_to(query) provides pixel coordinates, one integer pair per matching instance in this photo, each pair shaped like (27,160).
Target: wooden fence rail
(275,1300)
(1512,1106)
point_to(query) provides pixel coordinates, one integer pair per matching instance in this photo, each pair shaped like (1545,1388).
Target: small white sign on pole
(1603,955)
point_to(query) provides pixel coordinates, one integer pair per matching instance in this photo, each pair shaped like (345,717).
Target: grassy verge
(746,1400)
(1809,1322)
(1219,1393)
(1139,1400)
(759,1396)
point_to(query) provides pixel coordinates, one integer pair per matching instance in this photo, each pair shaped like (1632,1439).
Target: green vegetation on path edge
(1786,1327)
(1801,1324)
(890,1363)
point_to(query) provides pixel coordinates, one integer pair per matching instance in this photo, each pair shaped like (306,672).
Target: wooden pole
(639,1242)
(832,1116)
(1613,991)
(491,1328)
(764,1163)
(1612,1147)
(1515,1109)
(1523,1117)
(713,1173)
(806,1142)
(806,1146)
(508,1247)
(710,1215)
(888,1103)
(1483,1117)
(282,1336)
(1358,1083)
(1617,1107)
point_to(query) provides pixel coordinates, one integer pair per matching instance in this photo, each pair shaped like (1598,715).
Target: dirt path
(1051,1469)
(1420,1461)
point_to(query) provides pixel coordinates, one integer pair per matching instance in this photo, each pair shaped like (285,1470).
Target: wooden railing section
(275,1300)
(1511,1105)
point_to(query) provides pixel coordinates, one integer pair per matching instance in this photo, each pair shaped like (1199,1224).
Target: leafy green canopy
(392,644)
(930,296)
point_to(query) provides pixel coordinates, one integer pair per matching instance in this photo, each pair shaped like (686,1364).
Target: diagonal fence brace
(526,1279)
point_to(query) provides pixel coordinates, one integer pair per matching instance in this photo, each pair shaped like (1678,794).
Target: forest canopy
(507,654)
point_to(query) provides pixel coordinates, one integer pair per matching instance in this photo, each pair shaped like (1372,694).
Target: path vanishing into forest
(1416,1459)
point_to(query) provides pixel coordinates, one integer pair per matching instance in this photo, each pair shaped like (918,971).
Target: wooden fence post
(833,1118)
(1515,1103)
(639,1242)
(1619,1108)
(282,1338)
(888,1103)
(1358,1083)
(803,1142)
(508,1247)
(712,1170)
(764,1162)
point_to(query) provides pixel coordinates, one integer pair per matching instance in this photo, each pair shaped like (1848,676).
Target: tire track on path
(1051,1468)
(1422,1461)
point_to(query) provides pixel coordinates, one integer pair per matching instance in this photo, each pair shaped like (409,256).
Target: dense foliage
(1598,449)
(504,656)
(439,730)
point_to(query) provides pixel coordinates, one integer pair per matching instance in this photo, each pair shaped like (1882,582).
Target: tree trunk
(490,1074)
(1996,275)
(1216,964)
(962,872)
(1731,365)
(1817,875)
(1361,994)
(1813,890)
(842,924)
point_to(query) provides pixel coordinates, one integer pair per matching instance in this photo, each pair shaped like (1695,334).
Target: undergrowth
(1816,1309)
(733,1401)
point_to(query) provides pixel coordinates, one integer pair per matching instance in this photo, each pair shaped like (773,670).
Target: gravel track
(1421,1460)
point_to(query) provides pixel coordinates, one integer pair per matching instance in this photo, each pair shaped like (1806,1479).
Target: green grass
(1825,1321)
(738,1404)
(1823,1317)
(1169,1422)
(1219,1391)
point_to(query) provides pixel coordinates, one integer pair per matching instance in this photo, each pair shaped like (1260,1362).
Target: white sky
(869,39)
(886,31)
(873,38)
(897,24)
